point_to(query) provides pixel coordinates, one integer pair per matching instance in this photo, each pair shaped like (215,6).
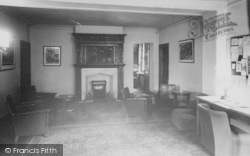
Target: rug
(109,111)
(131,139)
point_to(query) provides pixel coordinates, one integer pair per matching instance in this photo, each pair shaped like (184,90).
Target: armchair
(31,94)
(139,105)
(166,95)
(31,97)
(28,121)
(184,118)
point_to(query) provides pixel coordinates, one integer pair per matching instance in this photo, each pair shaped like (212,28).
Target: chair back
(166,89)
(125,93)
(215,130)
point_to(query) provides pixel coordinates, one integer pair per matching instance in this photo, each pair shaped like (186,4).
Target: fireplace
(88,75)
(99,89)
(99,57)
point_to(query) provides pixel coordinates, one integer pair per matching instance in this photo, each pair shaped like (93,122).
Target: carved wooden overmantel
(99,51)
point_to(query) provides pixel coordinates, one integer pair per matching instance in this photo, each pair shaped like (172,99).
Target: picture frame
(186,51)
(7,58)
(52,55)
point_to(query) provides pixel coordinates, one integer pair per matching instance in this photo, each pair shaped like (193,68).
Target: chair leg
(16,139)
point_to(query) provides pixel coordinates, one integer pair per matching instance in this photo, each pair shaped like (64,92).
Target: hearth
(99,89)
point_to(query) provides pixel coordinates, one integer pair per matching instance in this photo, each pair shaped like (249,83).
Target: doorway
(25,66)
(163,64)
(141,70)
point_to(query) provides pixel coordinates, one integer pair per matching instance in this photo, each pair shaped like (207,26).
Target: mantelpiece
(99,51)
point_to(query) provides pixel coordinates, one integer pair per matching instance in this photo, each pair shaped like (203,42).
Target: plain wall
(58,79)
(187,75)
(209,62)
(10,79)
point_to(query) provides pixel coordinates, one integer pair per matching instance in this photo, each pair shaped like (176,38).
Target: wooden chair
(217,136)
(28,121)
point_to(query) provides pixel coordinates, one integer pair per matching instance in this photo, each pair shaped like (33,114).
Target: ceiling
(129,13)
(34,16)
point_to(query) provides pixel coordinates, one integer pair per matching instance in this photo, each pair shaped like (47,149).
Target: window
(141,65)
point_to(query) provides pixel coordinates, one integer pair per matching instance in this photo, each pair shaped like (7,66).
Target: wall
(187,75)
(98,29)
(10,79)
(135,36)
(218,49)
(209,62)
(59,79)
(240,86)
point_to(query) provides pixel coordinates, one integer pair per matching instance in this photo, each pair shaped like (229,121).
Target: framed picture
(187,51)
(7,58)
(51,55)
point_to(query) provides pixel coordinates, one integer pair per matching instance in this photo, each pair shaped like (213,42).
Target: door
(25,66)
(163,64)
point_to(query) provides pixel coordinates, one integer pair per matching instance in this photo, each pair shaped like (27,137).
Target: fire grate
(99,89)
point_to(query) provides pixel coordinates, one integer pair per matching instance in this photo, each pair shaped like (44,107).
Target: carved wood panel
(99,51)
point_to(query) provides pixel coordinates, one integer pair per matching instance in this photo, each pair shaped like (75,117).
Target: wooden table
(181,93)
(238,113)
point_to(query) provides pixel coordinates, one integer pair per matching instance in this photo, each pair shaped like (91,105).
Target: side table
(66,103)
(177,94)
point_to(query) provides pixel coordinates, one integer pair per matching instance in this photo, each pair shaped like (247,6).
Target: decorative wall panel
(99,51)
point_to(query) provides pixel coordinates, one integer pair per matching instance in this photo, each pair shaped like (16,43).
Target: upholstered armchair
(165,94)
(28,120)
(137,105)
(217,136)
(184,118)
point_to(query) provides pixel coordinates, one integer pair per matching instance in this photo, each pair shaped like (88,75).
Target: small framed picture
(7,58)
(186,51)
(51,55)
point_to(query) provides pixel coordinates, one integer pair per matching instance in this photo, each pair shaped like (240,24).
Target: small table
(180,93)
(67,102)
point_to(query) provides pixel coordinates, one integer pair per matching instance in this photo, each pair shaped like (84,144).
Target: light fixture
(4,41)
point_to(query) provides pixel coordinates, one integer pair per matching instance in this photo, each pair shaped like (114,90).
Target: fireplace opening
(99,89)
